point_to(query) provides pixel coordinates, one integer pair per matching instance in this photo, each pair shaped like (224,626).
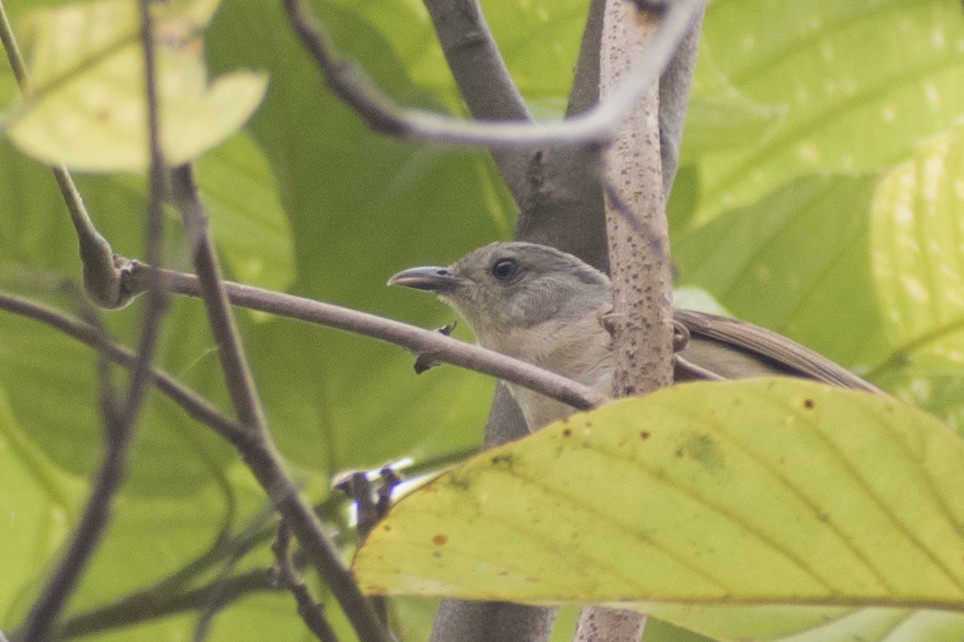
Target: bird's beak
(433,279)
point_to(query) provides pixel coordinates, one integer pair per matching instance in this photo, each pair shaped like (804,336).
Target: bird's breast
(578,350)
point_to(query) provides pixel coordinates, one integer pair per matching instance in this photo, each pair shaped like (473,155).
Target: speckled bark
(637,230)
(636,220)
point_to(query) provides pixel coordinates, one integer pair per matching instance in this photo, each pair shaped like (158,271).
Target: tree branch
(195,405)
(642,320)
(286,576)
(375,108)
(563,206)
(258,450)
(638,233)
(119,418)
(483,79)
(417,340)
(674,97)
(143,607)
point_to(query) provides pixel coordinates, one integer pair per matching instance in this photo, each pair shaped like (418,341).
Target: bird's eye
(505,269)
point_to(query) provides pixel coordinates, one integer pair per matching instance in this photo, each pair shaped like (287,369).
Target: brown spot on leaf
(567,432)
(809,404)
(440,540)
(644,435)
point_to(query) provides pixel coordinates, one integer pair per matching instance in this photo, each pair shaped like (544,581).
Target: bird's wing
(724,348)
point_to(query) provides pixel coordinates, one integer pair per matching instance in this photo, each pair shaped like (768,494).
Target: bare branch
(44,612)
(286,575)
(240,381)
(259,451)
(119,418)
(637,229)
(195,406)
(143,607)
(642,323)
(417,340)
(599,123)
(563,206)
(474,59)
(674,97)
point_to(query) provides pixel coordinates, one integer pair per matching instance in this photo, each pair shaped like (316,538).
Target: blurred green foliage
(800,114)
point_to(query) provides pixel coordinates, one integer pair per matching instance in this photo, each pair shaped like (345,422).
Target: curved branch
(597,124)
(144,607)
(195,406)
(418,340)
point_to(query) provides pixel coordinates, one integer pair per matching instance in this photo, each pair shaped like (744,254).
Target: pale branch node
(102,274)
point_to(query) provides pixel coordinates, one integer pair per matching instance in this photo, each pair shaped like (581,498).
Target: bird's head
(505,287)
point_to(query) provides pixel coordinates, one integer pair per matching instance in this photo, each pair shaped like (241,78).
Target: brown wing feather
(710,354)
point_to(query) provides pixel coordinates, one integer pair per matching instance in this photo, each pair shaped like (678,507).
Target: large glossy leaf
(773,491)
(798,261)
(247,218)
(86,106)
(823,64)
(918,259)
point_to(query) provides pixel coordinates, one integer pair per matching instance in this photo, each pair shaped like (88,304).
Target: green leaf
(917,255)
(724,119)
(39,502)
(763,492)
(796,262)
(86,105)
(832,69)
(248,221)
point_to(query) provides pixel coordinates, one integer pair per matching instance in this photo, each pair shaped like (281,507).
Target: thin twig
(171,594)
(597,124)
(238,376)
(119,418)
(286,575)
(102,271)
(156,299)
(259,452)
(195,405)
(143,607)
(96,514)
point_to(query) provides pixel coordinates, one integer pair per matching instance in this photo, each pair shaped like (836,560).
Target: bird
(546,307)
